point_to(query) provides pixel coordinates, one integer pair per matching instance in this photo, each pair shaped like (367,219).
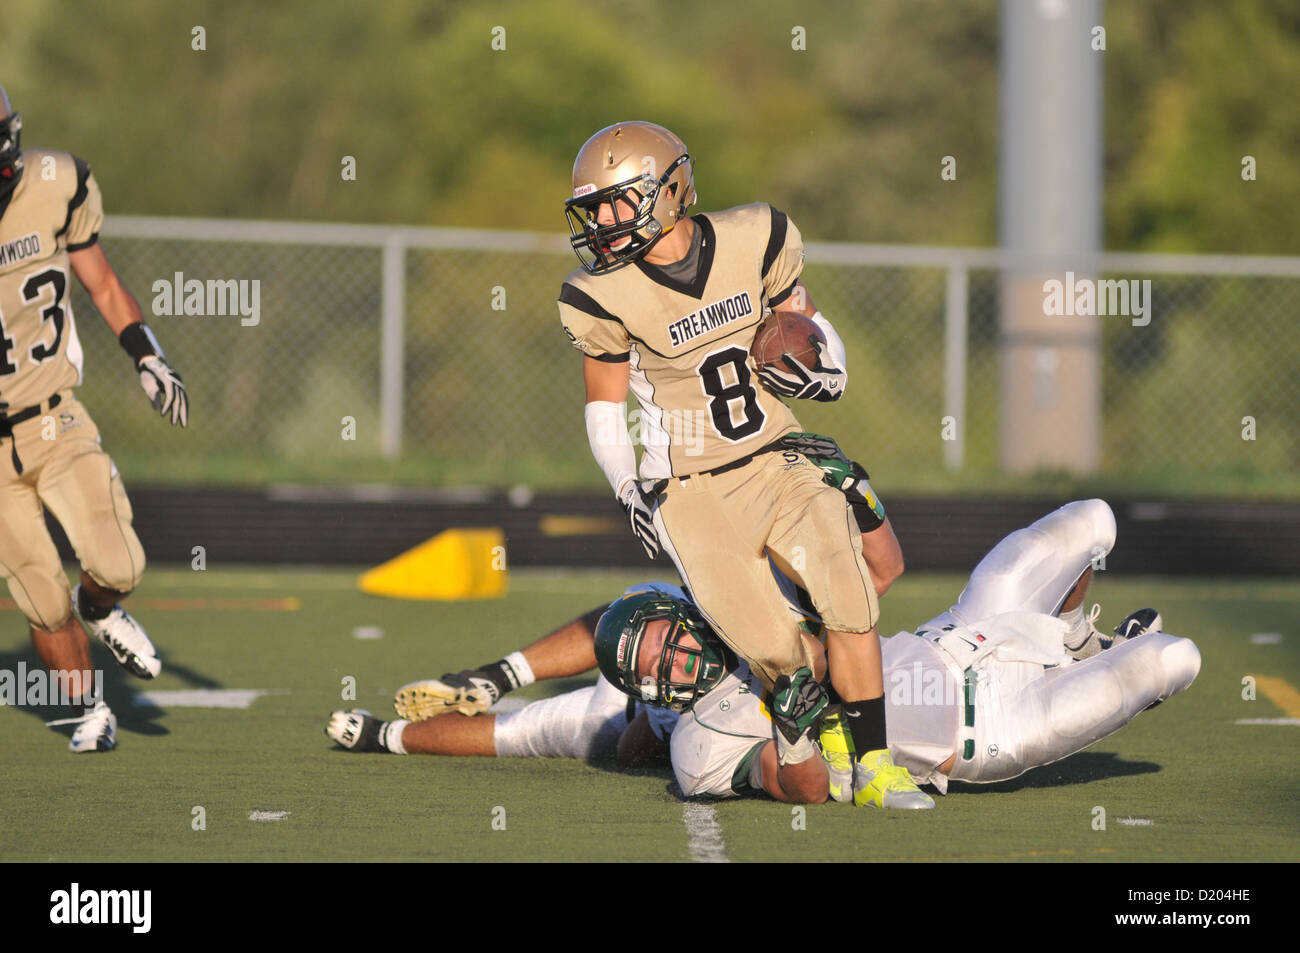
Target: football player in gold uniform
(50,456)
(667,306)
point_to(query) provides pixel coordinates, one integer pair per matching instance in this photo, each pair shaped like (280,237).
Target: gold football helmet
(650,170)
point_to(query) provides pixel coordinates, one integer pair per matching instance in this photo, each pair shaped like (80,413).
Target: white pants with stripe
(1027,716)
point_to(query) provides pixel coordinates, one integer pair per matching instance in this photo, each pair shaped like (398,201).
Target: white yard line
(705,834)
(200,698)
(1267,721)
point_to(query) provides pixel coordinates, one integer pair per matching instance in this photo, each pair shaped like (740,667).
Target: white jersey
(716,743)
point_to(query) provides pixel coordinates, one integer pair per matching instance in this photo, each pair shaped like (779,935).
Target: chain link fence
(456,371)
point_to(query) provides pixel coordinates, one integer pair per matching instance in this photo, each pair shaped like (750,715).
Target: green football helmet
(618,644)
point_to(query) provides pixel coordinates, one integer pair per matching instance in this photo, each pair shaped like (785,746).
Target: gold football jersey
(701,403)
(55,208)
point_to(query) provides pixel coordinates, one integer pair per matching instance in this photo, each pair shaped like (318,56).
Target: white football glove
(640,507)
(824,381)
(164,388)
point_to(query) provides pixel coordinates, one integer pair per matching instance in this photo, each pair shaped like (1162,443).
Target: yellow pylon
(455,564)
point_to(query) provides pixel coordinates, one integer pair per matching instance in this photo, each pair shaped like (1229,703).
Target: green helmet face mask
(619,635)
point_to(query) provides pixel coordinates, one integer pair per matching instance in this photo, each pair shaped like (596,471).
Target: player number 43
(53,313)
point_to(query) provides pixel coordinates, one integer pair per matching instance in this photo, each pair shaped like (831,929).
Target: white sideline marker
(1267,721)
(367,632)
(1266,638)
(199,698)
(705,834)
(267,815)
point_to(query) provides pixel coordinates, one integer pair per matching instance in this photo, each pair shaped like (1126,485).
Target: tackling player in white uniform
(1013,676)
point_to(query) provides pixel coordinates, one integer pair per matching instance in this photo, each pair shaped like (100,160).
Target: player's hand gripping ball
(793,360)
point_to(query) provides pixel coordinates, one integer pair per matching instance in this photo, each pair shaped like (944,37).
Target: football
(786,332)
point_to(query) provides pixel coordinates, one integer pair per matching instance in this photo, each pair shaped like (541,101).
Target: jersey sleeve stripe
(584,302)
(86,244)
(612,358)
(78,197)
(778,299)
(740,777)
(775,240)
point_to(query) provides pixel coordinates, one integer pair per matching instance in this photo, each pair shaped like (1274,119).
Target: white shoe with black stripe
(125,638)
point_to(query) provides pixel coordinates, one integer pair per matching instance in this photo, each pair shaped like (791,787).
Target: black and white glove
(824,381)
(161,384)
(640,507)
(165,390)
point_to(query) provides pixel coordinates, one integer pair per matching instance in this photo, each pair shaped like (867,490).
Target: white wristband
(607,434)
(833,342)
(523,671)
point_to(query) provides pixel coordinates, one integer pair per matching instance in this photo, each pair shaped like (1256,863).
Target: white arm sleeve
(833,343)
(607,434)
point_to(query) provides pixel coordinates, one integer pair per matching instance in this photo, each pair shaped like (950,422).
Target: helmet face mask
(594,244)
(689,646)
(11,159)
(618,167)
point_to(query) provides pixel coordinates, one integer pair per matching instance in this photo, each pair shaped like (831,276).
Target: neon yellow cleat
(877,780)
(837,752)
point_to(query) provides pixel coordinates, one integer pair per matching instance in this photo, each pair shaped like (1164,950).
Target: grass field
(1192,784)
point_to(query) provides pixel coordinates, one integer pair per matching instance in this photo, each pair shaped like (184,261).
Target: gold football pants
(65,469)
(721,528)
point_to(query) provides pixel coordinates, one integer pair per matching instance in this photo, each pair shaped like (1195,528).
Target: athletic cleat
(1138,623)
(877,780)
(837,752)
(125,638)
(465,692)
(97,731)
(356,729)
(1093,642)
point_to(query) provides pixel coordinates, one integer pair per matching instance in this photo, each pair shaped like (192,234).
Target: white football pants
(1027,716)
(1034,569)
(585,723)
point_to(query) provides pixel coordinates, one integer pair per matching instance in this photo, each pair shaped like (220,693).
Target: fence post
(392,347)
(954,364)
